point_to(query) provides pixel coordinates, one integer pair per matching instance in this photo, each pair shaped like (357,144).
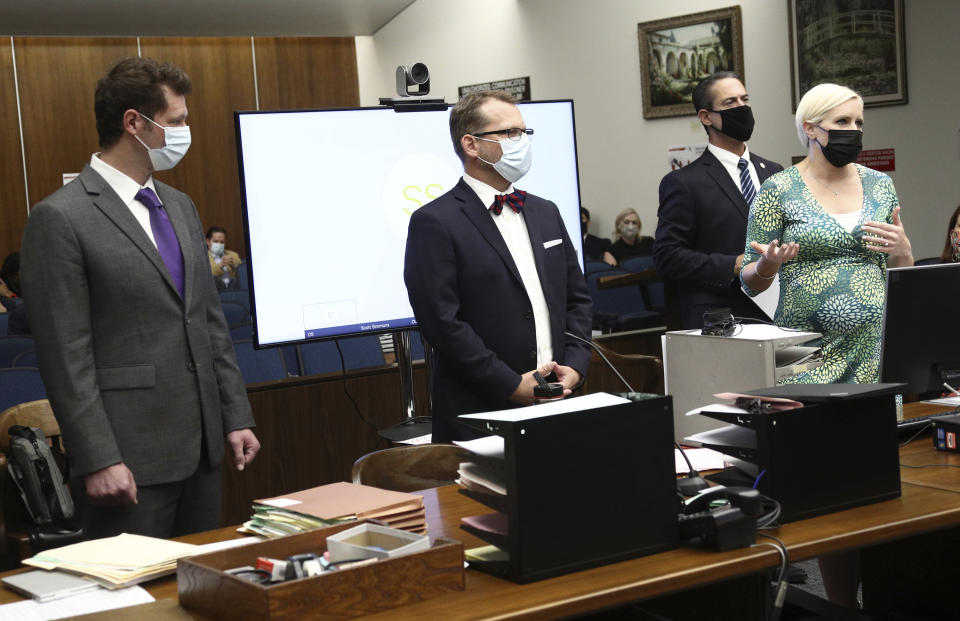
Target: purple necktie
(164,236)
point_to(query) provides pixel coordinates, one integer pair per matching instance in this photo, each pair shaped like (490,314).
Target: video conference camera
(413,86)
(409,76)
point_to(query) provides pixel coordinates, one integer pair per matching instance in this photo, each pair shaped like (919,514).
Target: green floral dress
(835,285)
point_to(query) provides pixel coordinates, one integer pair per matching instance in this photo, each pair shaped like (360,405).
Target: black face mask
(843,146)
(737,122)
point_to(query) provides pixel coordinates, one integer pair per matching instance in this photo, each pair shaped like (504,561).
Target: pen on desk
(952,389)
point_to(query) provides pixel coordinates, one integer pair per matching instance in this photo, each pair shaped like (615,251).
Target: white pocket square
(551,243)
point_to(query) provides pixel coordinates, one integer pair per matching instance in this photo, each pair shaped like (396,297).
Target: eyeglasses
(512,133)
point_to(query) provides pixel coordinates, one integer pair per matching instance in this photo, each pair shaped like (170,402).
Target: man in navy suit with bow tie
(492,276)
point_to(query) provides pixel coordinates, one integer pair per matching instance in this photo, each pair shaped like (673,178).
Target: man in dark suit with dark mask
(702,219)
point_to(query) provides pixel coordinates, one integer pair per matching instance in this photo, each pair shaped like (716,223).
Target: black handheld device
(546,391)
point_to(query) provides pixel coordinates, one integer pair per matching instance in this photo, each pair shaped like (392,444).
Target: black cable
(609,364)
(771,515)
(695,482)
(343,377)
(930,466)
(916,435)
(780,588)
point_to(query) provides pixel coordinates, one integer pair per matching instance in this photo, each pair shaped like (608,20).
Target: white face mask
(169,155)
(516,159)
(629,231)
(216,248)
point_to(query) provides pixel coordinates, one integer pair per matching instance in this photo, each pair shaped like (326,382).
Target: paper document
(486,553)
(116,561)
(495,523)
(472,473)
(85,603)
(489,446)
(718,407)
(342,500)
(763,332)
(224,545)
(45,586)
(574,404)
(418,440)
(700,458)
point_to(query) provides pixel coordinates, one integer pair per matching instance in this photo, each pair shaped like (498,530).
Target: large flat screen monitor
(921,343)
(327,195)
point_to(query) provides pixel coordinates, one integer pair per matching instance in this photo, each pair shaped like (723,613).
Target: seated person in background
(223,262)
(10,282)
(951,248)
(11,300)
(629,241)
(594,248)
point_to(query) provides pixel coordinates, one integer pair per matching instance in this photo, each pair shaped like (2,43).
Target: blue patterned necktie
(163,234)
(746,183)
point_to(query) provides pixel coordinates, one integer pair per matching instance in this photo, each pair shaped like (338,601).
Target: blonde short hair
(817,102)
(620,216)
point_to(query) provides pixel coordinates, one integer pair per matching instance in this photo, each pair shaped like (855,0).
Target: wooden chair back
(15,540)
(30,414)
(643,372)
(409,468)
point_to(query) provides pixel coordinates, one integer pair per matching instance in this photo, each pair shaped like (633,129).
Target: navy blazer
(472,307)
(701,229)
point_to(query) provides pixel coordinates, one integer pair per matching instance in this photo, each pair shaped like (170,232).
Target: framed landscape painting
(677,52)
(857,43)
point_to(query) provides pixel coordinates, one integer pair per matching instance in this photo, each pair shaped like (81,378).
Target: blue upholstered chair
(259,365)
(358,352)
(19,386)
(12,346)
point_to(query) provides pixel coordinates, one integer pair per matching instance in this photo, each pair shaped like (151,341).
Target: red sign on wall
(878,159)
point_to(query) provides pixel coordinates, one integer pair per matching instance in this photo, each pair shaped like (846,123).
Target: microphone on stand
(689,486)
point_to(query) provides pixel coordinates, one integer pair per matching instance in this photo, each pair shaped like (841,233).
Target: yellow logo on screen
(415,194)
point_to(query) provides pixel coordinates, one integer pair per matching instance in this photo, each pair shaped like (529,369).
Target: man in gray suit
(131,340)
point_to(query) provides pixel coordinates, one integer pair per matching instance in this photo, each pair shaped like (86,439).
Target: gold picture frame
(677,52)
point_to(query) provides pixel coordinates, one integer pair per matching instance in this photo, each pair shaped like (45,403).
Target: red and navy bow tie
(514,201)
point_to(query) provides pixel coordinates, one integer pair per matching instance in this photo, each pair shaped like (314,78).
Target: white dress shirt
(126,188)
(513,228)
(730,161)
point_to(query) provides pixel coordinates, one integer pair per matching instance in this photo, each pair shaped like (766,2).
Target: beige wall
(588,51)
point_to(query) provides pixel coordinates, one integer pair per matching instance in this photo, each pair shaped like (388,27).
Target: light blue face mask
(516,159)
(169,155)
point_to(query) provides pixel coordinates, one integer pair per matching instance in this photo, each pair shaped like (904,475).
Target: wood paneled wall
(310,433)
(222,74)
(57,77)
(13,199)
(321,78)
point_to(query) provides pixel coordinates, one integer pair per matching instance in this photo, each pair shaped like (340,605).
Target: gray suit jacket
(134,373)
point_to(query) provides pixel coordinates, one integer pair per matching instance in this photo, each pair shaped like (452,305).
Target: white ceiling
(197,17)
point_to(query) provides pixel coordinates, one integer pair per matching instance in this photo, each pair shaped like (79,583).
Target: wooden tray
(205,588)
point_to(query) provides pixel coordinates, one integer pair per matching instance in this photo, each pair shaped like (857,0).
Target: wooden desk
(920,509)
(928,505)
(940,469)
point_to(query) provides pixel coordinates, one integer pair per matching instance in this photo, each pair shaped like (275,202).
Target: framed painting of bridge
(857,43)
(677,52)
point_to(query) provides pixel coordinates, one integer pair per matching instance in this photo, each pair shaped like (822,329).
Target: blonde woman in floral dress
(830,228)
